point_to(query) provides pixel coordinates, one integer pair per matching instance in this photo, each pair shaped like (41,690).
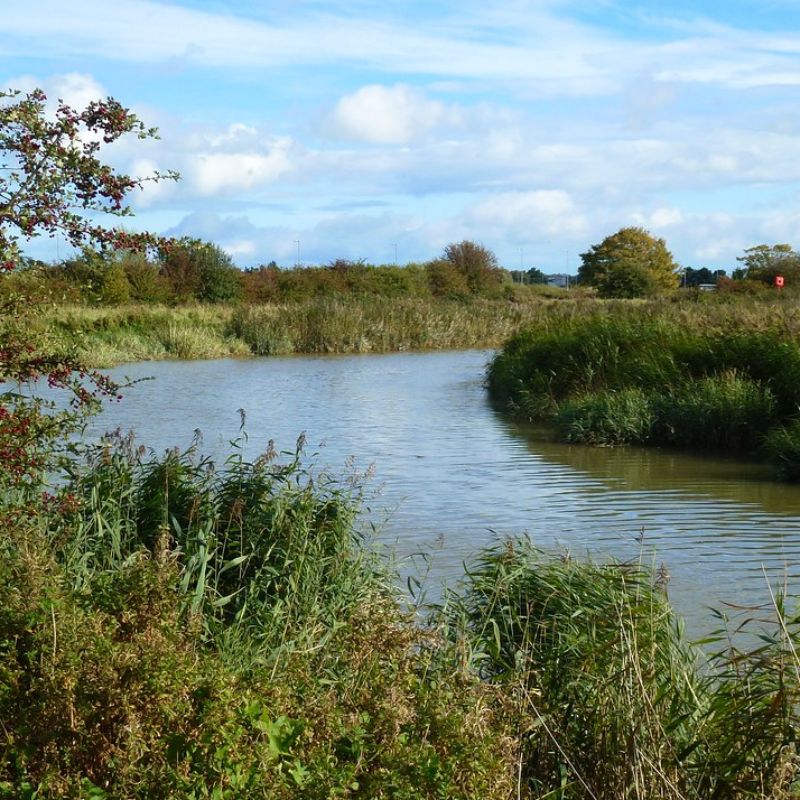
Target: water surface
(451,473)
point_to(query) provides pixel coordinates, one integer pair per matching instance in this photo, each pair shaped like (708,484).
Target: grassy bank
(170,630)
(173,629)
(718,374)
(107,336)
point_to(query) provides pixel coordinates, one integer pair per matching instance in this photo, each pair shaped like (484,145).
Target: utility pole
(394,244)
(297,263)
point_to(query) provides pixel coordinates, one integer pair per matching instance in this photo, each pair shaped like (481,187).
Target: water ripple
(452,474)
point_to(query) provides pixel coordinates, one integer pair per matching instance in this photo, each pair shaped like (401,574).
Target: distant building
(561,280)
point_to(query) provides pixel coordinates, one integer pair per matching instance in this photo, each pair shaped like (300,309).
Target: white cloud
(389,115)
(521,214)
(241,248)
(539,49)
(659,218)
(211,173)
(76,89)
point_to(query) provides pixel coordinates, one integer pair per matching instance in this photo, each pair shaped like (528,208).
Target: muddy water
(451,473)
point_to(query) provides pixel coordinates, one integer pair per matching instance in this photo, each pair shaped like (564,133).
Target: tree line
(191,270)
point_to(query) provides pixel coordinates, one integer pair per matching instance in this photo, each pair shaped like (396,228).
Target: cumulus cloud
(389,115)
(213,173)
(76,89)
(659,218)
(519,215)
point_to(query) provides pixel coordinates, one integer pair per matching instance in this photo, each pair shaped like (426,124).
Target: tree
(765,262)
(530,277)
(200,271)
(535,276)
(52,181)
(629,263)
(476,263)
(695,277)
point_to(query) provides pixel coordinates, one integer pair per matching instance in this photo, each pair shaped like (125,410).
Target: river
(451,473)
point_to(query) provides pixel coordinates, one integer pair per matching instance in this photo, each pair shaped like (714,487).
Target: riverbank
(173,630)
(671,375)
(105,336)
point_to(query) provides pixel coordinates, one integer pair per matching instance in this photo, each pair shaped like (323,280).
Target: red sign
(779,281)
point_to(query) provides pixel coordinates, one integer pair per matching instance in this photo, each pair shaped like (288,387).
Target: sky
(380,130)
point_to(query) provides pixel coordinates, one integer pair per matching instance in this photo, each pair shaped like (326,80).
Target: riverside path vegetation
(106,336)
(171,628)
(190,302)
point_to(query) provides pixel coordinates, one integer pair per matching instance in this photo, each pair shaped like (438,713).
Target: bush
(445,280)
(782,448)
(727,410)
(476,263)
(610,418)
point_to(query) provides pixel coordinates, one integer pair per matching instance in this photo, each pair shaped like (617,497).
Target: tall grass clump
(606,379)
(782,447)
(608,418)
(173,628)
(727,411)
(614,702)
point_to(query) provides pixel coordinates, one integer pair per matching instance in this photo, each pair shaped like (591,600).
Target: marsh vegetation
(719,372)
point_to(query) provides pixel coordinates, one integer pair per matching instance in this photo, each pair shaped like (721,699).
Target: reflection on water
(453,474)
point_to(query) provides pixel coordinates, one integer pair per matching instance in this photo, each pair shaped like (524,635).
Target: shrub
(445,280)
(782,448)
(609,418)
(476,263)
(727,410)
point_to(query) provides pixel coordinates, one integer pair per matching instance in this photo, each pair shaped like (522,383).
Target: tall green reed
(615,702)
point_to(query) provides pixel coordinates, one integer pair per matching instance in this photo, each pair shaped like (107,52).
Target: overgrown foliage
(171,628)
(629,263)
(189,270)
(616,703)
(174,630)
(658,375)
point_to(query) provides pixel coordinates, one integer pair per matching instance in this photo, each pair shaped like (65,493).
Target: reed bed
(175,628)
(615,702)
(112,335)
(722,374)
(171,628)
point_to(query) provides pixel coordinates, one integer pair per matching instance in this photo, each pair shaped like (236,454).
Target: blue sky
(536,128)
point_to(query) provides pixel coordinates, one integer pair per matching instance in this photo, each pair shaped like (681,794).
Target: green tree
(629,263)
(476,263)
(100,277)
(198,270)
(445,280)
(696,276)
(765,262)
(145,282)
(535,276)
